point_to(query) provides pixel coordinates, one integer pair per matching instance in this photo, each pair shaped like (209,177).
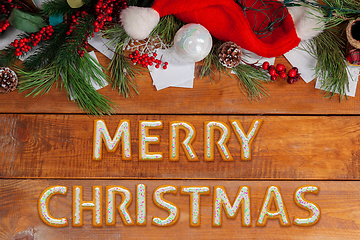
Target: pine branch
(167,28)
(57,7)
(251,80)
(40,81)
(76,79)
(122,73)
(331,68)
(75,40)
(48,50)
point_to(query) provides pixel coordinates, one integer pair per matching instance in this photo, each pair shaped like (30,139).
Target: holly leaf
(27,22)
(75,3)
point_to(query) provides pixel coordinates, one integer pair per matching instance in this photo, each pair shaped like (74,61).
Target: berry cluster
(4,25)
(280,71)
(7,7)
(293,75)
(75,21)
(25,44)
(146,60)
(105,10)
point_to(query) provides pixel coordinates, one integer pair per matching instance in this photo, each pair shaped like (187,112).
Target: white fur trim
(306,23)
(139,22)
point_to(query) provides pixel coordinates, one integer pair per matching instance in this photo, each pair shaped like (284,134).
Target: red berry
(280,67)
(157,65)
(283,75)
(265,65)
(292,73)
(164,67)
(166,63)
(290,80)
(272,72)
(296,69)
(154,54)
(273,78)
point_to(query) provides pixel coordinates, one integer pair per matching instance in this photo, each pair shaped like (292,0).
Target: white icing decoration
(43,206)
(145,140)
(102,133)
(174,151)
(242,200)
(141,204)
(195,202)
(245,140)
(173,209)
(126,200)
(273,192)
(209,136)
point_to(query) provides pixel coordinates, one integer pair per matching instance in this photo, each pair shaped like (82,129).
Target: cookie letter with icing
(307,205)
(273,194)
(43,206)
(242,201)
(101,133)
(186,144)
(173,210)
(145,140)
(141,204)
(225,132)
(195,193)
(123,208)
(79,205)
(246,140)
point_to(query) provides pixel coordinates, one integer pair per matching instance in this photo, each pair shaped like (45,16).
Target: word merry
(220,201)
(101,134)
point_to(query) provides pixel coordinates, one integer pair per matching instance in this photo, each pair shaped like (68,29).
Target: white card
(251,58)
(102,45)
(303,61)
(179,73)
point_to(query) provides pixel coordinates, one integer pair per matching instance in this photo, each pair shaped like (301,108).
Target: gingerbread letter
(173,210)
(43,206)
(79,205)
(246,140)
(307,205)
(145,140)
(186,144)
(101,133)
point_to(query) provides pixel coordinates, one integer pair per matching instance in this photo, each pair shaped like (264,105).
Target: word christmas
(101,134)
(220,201)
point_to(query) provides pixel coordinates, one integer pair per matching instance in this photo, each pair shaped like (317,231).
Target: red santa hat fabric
(225,20)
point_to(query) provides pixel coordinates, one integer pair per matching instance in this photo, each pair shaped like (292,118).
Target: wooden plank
(222,97)
(338,201)
(286,147)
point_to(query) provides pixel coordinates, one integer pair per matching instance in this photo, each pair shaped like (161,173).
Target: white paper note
(303,61)
(179,73)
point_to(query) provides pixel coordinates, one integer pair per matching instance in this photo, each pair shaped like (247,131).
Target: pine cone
(230,54)
(8,80)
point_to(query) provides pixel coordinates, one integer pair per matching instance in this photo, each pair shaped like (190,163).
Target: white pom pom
(306,23)
(139,22)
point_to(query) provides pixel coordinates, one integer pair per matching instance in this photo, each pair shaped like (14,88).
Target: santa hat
(225,20)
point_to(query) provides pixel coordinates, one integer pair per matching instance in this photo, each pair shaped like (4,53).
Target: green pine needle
(251,80)
(167,28)
(331,67)
(122,73)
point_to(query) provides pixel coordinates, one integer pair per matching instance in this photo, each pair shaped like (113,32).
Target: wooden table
(305,139)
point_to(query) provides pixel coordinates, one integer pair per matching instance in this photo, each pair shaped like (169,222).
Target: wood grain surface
(305,139)
(221,97)
(286,147)
(339,203)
